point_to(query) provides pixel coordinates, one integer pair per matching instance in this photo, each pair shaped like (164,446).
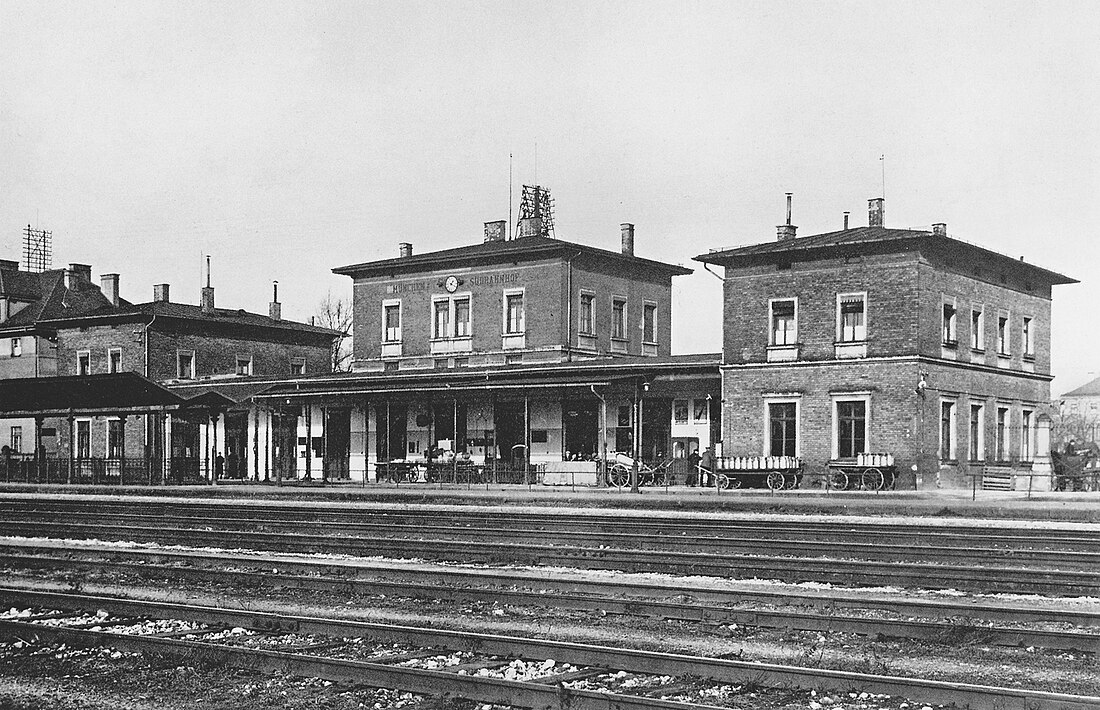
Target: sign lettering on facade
(476,280)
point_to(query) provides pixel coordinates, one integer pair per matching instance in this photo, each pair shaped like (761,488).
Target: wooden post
(526,440)
(309,441)
(39,454)
(72,447)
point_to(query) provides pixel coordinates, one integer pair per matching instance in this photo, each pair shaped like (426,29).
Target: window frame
(248,366)
(620,325)
(16,438)
(849,297)
(111,445)
(839,398)
(1004,333)
(686,409)
(1027,434)
(1003,433)
(301,361)
(181,355)
(387,304)
(82,449)
(17,347)
(451,300)
(83,362)
(949,323)
(977,328)
(506,321)
(948,450)
(976,433)
(777,400)
(793,332)
(1027,335)
(647,308)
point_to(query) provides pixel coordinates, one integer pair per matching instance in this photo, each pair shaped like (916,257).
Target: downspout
(569,307)
(706,267)
(147,326)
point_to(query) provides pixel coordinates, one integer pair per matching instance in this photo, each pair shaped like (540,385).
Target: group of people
(702,467)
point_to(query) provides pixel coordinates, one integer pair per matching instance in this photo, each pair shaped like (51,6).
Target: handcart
(867,472)
(776,472)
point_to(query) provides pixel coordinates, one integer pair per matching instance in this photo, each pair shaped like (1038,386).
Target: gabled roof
(520,249)
(21,285)
(53,299)
(118,393)
(877,237)
(184,311)
(1089,389)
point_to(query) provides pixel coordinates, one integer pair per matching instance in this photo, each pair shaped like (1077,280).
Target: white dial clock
(451,284)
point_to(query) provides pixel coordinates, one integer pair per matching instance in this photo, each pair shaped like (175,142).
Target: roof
(897,239)
(523,248)
(119,393)
(50,297)
(183,311)
(1089,389)
(235,390)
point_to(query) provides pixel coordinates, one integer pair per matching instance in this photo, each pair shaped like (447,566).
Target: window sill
(783,353)
(1029,357)
(452,345)
(649,349)
(513,341)
(619,345)
(951,344)
(850,349)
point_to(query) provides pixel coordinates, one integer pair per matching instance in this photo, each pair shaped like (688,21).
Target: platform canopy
(116,394)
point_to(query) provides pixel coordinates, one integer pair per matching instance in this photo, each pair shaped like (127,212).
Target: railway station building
(878,339)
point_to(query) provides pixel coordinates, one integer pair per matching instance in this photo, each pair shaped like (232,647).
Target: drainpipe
(706,267)
(569,307)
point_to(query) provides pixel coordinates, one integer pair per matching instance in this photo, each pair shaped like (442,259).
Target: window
(947,431)
(680,411)
(115,439)
(1026,427)
(949,324)
(16,347)
(977,432)
(514,316)
(851,421)
(244,365)
(618,318)
(1002,335)
(83,439)
(297,366)
(851,317)
(114,360)
(441,321)
(782,428)
(185,364)
(587,314)
(625,417)
(462,317)
(391,321)
(17,439)
(1026,334)
(649,322)
(1002,433)
(977,329)
(700,411)
(784,328)
(83,363)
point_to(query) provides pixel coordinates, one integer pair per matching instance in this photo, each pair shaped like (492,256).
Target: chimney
(275,309)
(160,293)
(82,271)
(530,227)
(496,231)
(876,212)
(9,265)
(207,295)
(786,231)
(940,229)
(108,284)
(846,220)
(627,230)
(405,250)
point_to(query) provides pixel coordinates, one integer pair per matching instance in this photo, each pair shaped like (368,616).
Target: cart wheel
(618,475)
(873,479)
(726,482)
(838,480)
(776,481)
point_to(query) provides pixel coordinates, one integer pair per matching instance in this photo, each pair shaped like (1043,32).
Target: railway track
(707,606)
(584,675)
(836,569)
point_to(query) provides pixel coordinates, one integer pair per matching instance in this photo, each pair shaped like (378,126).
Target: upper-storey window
(1002,334)
(391,321)
(977,329)
(297,366)
(851,317)
(587,314)
(114,360)
(16,347)
(1028,335)
(83,363)
(185,364)
(441,321)
(618,318)
(451,317)
(949,337)
(462,317)
(514,313)
(244,365)
(784,323)
(649,322)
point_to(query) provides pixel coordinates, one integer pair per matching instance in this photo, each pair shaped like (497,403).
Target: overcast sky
(286,139)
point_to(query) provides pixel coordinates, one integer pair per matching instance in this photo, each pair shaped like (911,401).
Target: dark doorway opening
(581,422)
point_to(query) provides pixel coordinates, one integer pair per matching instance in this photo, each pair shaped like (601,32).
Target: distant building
(1080,410)
(875,339)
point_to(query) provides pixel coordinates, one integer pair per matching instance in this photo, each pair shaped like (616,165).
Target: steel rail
(637,661)
(633,541)
(923,575)
(429,588)
(907,533)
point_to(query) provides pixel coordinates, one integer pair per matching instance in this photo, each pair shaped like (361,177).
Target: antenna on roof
(509,195)
(882,159)
(208,271)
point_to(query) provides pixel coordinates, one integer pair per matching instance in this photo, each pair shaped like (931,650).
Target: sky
(288,138)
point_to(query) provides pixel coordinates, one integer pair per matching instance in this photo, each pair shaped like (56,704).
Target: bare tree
(336,314)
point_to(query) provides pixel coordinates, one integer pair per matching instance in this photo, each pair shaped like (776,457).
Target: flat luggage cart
(776,472)
(865,472)
(620,466)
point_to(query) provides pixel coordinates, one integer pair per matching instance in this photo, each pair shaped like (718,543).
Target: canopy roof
(115,394)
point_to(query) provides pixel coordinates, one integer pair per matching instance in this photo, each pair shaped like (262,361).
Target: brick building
(875,339)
